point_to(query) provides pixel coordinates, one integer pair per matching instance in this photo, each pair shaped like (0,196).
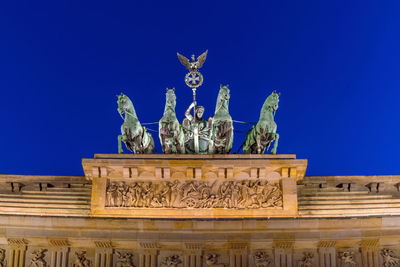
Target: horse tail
(249,135)
(237,152)
(245,139)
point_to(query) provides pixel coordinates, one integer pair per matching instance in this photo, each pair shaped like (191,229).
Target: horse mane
(169,109)
(130,104)
(267,101)
(220,103)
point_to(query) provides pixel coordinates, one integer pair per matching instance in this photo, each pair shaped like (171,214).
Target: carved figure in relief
(3,262)
(307,260)
(260,136)
(347,259)
(81,260)
(262,259)
(389,259)
(212,260)
(157,201)
(166,190)
(120,194)
(174,186)
(111,194)
(245,194)
(38,258)
(124,259)
(133,134)
(235,194)
(147,194)
(172,261)
(221,128)
(171,134)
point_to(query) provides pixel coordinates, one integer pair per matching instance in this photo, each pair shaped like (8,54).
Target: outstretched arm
(187,113)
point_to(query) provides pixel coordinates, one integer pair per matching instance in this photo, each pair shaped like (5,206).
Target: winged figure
(195,64)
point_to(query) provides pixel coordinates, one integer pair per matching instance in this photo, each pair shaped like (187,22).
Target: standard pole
(195,129)
(194,100)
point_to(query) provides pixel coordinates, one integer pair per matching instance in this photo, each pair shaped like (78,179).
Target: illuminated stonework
(242,194)
(198,211)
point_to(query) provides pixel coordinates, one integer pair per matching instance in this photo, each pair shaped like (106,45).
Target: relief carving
(124,259)
(172,261)
(38,258)
(244,194)
(81,260)
(389,259)
(347,259)
(3,262)
(212,260)
(262,259)
(307,260)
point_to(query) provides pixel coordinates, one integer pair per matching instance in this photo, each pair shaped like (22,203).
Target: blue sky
(336,64)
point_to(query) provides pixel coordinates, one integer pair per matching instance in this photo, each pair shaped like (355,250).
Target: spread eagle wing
(201,59)
(184,60)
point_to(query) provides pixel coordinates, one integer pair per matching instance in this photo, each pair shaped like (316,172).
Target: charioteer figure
(197,130)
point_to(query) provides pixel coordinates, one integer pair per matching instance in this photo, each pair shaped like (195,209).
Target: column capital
(238,245)
(369,243)
(283,244)
(103,244)
(326,244)
(59,243)
(17,243)
(149,245)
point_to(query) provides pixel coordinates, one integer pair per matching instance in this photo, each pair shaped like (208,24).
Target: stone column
(370,252)
(99,185)
(283,253)
(193,255)
(148,256)
(17,252)
(327,253)
(103,254)
(59,252)
(238,255)
(289,190)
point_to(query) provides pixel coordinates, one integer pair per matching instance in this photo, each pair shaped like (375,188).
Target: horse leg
(120,151)
(276,138)
(177,145)
(260,149)
(139,148)
(249,141)
(181,141)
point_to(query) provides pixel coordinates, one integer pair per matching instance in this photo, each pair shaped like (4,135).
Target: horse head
(170,100)
(125,105)
(223,97)
(272,101)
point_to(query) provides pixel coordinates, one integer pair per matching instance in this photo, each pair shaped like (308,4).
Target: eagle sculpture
(195,64)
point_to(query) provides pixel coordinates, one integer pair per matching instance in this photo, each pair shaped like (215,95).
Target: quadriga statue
(133,134)
(171,134)
(221,136)
(261,135)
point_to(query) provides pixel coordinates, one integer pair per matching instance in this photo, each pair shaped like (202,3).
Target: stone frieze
(238,194)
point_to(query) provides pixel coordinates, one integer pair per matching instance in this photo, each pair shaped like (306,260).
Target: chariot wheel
(190,203)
